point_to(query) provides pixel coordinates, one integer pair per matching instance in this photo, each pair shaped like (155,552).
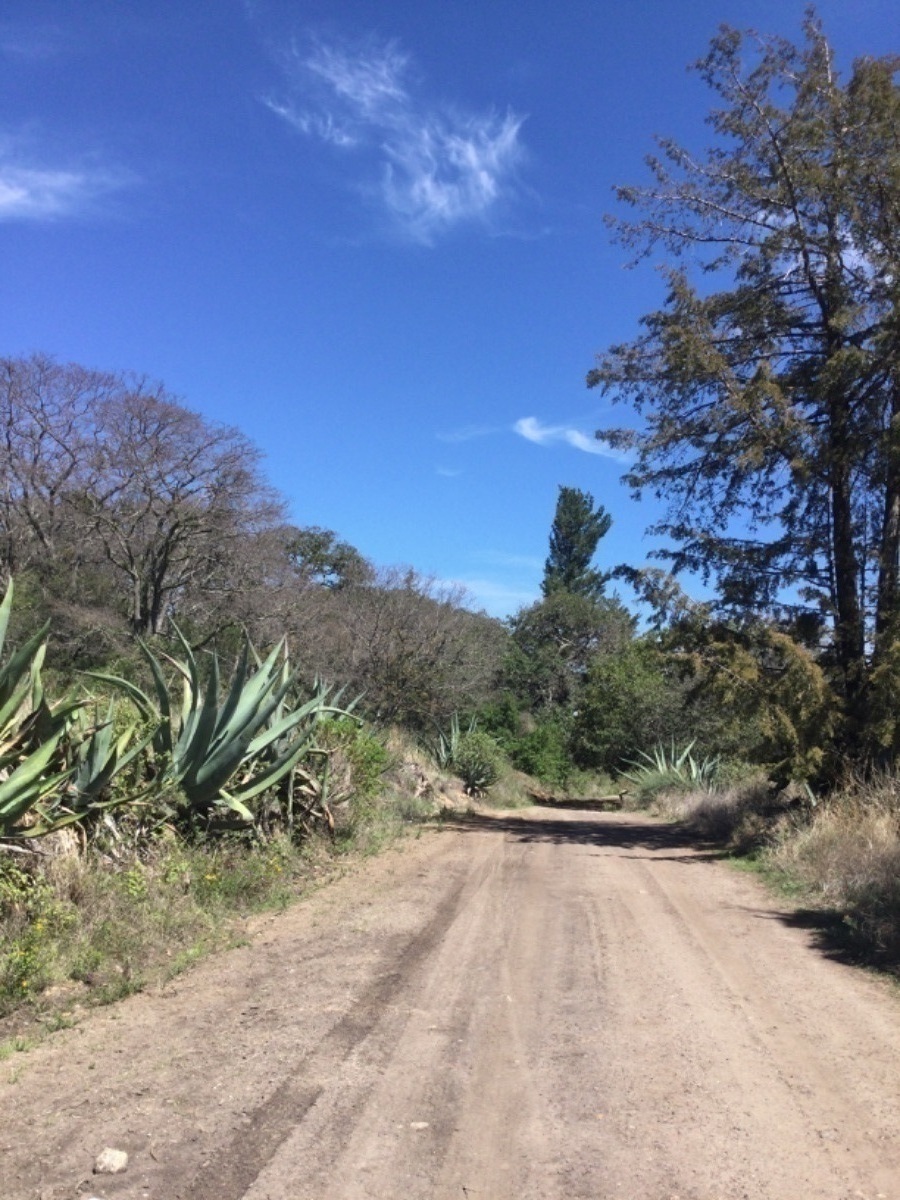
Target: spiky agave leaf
(33,769)
(100,756)
(28,785)
(671,768)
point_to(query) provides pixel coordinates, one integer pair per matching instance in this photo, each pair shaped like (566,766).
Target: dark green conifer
(577,528)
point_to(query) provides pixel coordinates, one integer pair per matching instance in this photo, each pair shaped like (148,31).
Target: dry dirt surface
(545,1004)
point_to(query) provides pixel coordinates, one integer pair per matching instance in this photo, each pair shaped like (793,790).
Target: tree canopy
(769,381)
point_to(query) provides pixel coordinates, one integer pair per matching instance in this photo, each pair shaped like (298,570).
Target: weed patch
(92,924)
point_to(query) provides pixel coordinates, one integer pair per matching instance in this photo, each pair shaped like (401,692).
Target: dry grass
(848,856)
(843,854)
(740,817)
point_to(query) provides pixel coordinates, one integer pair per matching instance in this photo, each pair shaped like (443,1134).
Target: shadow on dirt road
(617,831)
(829,931)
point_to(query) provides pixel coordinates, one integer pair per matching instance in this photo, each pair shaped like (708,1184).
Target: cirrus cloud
(38,193)
(435,167)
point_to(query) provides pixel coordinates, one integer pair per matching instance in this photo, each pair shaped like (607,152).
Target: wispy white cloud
(370,81)
(532,430)
(322,125)
(496,598)
(35,193)
(436,166)
(33,188)
(501,558)
(468,433)
(449,472)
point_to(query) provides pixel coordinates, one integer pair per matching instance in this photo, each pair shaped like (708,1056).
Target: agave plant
(100,754)
(224,750)
(671,767)
(22,708)
(478,762)
(444,749)
(32,763)
(25,789)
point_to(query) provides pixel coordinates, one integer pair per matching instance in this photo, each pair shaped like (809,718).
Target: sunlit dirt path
(547,1004)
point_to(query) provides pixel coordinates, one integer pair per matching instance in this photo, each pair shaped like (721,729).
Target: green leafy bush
(630,702)
(544,754)
(357,761)
(369,759)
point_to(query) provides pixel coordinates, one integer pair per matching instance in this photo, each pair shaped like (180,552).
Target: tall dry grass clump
(849,856)
(739,816)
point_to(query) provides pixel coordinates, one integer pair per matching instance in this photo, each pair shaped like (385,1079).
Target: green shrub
(478,761)
(544,754)
(366,753)
(502,720)
(629,703)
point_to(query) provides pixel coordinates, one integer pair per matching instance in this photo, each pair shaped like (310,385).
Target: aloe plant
(223,750)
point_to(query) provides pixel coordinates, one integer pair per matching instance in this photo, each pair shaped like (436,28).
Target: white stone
(110,1162)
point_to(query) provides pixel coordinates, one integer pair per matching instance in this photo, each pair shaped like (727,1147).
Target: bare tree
(114,474)
(408,644)
(176,500)
(46,436)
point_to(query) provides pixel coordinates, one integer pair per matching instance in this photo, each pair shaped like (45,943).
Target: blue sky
(368,234)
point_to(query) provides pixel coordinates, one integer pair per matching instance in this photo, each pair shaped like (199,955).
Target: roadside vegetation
(837,856)
(203,706)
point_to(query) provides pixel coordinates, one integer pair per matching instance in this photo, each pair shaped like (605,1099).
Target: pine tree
(577,528)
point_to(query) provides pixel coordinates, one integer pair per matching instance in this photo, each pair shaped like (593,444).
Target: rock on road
(541,1005)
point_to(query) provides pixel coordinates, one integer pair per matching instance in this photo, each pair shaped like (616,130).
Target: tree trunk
(849,632)
(886,615)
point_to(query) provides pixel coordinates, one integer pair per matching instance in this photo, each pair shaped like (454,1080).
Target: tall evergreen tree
(577,528)
(771,402)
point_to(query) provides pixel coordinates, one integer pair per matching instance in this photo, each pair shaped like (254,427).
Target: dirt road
(541,1005)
